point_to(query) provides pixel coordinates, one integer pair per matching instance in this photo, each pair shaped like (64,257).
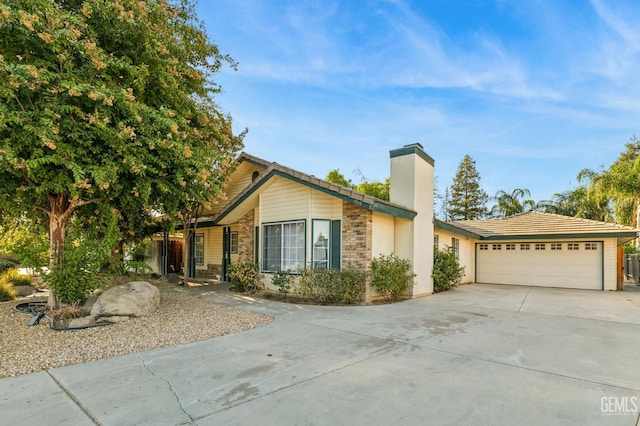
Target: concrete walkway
(478,355)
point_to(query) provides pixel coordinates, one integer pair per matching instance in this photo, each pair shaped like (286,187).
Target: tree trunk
(186,226)
(58,216)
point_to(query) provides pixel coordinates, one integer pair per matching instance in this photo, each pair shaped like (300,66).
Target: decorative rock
(88,304)
(112,320)
(135,298)
(24,290)
(173,278)
(82,322)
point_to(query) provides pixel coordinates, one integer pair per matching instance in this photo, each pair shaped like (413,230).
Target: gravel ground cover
(181,318)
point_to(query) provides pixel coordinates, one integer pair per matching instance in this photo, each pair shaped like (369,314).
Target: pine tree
(467,198)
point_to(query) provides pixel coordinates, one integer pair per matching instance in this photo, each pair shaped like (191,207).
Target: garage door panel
(555,264)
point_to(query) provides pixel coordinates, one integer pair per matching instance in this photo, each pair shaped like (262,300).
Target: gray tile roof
(538,224)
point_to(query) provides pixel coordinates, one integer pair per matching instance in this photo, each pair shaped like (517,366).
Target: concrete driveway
(477,355)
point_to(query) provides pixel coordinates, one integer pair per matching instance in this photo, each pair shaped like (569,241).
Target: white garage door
(555,264)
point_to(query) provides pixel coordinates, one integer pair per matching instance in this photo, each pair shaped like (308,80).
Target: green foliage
(77,271)
(613,194)
(447,272)
(283,280)
(391,277)
(468,200)
(109,106)
(6,264)
(351,285)
(245,277)
(137,265)
(332,286)
(334,176)
(25,239)
(141,251)
(513,203)
(120,266)
(373,188)
(13,277)
(6,291)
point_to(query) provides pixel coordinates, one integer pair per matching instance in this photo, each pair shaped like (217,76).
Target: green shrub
(316,284)
(77,275)
(329,286)
(6,264)
(245,277)
(351,285)
(6,291)
(391,277)
(283,280)
(13,277)
(447,272)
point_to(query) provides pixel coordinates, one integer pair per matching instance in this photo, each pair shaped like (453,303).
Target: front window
(455,243)
(283,248)
(321,244)
(199,249)
(234,243)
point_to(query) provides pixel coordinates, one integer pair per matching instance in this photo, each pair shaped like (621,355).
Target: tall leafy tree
(335,176)
(468,200)
(107,102)
(373,188)
(620,183)
(512,203)
(567,203)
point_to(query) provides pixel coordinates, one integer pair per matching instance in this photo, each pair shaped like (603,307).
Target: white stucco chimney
(411,186)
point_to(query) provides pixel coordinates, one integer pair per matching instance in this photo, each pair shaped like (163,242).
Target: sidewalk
(476,355)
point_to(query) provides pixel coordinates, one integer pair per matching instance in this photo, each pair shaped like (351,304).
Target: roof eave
(589,235)
(368,203)
(447,226)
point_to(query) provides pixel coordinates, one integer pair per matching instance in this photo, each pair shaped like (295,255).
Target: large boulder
(133,299)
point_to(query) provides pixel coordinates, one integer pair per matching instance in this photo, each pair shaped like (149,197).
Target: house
(539,249)
(287,220)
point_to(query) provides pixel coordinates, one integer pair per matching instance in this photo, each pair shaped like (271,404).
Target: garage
(539,249)
(575,264)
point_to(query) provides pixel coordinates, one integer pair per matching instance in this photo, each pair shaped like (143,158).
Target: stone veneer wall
(246,235)
(357,231)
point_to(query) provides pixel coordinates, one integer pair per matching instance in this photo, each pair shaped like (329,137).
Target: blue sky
(533,91)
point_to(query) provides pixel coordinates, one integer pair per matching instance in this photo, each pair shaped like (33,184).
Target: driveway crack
(154,374)
(525,299)
(76,401)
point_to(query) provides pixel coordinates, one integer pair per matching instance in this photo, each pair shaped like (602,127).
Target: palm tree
(510,204)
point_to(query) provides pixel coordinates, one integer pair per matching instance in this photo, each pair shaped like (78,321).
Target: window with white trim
(541,246)
(510,247)
(283,246)
(198,251)
(455,243)
(525,246)
(497,246)
(484,246)
(556,246)
(234,243)
(436,240)
(321,243)
(573,246)
(591,246)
